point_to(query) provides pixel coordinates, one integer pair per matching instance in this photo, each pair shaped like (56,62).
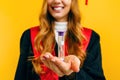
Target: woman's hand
(70,64)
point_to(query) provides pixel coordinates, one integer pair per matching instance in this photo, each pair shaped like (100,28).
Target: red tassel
(86,2)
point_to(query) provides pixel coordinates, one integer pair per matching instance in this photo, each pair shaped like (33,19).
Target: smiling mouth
(57,8)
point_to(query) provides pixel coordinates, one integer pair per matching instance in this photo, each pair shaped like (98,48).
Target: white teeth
(58,8)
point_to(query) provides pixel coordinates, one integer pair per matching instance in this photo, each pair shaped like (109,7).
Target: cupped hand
(70,64)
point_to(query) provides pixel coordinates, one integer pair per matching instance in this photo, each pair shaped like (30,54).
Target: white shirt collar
(60,26)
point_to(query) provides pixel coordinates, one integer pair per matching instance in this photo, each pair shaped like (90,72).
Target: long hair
(47,37)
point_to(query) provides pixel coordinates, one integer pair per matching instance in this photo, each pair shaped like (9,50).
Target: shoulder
(25,40)
(91,37)
(35,28)
(91,33)
(34,31)
(26,35)
(94,41)
(28,31)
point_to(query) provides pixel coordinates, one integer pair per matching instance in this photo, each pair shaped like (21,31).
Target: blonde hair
(47,36)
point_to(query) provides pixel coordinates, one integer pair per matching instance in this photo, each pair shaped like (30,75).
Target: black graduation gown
(91,69)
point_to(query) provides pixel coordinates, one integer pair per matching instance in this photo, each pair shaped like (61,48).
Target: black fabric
(91,70)
(25,68)
(69,77)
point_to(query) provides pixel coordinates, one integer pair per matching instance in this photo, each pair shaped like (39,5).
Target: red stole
(50,75)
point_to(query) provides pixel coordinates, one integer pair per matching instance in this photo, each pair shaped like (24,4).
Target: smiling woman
(39,46)
(18,15)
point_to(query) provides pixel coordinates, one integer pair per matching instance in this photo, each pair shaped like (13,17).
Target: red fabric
(87,33)
(33,33)
(50,75)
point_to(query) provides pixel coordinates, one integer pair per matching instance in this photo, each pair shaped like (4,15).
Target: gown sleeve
(24,69)
(92,67)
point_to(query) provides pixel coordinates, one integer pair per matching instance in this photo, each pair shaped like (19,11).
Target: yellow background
(101,15)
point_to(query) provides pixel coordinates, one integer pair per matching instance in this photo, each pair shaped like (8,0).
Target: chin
(57,16)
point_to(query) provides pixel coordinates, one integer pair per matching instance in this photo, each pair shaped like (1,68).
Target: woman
(82,58)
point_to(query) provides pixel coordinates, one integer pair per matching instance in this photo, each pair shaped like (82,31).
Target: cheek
(67,4)
(48,7)
(68,7)
(49,4)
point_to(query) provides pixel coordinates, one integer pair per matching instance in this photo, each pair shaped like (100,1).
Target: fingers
(75,63)
(48,60)
(71,63)
(44,59)
(55,69)
(63,66)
